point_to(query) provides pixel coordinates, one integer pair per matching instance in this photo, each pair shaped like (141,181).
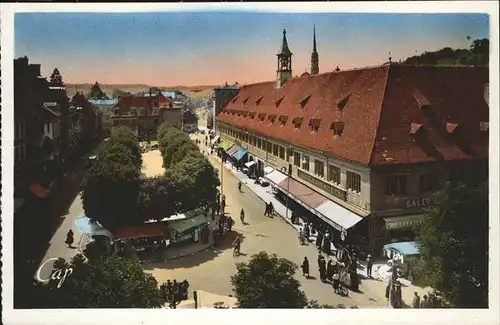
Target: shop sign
(417,203)
(405,223)
(335,191)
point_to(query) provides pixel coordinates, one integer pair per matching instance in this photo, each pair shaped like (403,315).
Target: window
(259,143)
(319,168)
(275,150)
(282,152)
(429,183)
(296,159)
(333,174)
(133,111)
(269,147)
(305,162)
(395,185)
(353,181)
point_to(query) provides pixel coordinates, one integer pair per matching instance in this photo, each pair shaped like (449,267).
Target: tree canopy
(267,281)
(453,241)
(56,78)
(96,92)
(102,282)
(124,136)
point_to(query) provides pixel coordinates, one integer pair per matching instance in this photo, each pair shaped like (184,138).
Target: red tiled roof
(128,101)
(375,107)
(147,230)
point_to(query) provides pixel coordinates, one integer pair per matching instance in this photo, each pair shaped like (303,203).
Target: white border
(367,316)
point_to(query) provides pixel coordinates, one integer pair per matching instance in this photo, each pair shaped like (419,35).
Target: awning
(233,150)
(401,222)
(276,177)
(268,170)
(225,145)
(92,228)
(147,230)
(339,214)
(214,140)
(184,225)
(250,164)
(239,154)
(405,248)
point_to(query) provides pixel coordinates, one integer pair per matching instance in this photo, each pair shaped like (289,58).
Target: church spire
(314,55)
(284,71)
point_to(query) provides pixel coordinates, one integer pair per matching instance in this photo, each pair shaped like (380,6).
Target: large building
(143,113)
(365,147)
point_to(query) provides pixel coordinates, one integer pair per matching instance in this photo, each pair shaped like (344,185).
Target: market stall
(193,229)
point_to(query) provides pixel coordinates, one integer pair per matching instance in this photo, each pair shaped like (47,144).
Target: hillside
(110,89)
(478,54)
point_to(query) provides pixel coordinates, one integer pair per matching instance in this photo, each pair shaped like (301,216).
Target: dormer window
(235,99)
(262,116)
(484,126)
(421,100)
(304,101)
(272,118)
(415,128)
(337,128)
(297,122)
(252,115)
(278,102)
(451,127)
(283,119)
(259,100)
(314,124)
(245,114)
(246,100)
(343,102)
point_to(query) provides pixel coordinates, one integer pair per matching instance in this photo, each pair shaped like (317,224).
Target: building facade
(220,97)
(365,148)
(145,112)
(106,107)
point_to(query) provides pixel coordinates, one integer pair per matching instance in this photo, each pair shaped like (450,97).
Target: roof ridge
(379,114)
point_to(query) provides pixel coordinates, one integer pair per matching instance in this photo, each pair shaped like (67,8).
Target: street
(211,270)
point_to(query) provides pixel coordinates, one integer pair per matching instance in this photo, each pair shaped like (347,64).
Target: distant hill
(116,89)
(477,54)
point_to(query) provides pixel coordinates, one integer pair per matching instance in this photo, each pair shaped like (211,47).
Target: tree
(167,133)
(267,281)
(159,197)
(124,135)
(96,92)
(454,246)
(196,180)
(56,78)
(117,93)
(111,191)
(172,146)
(182,152)
(103,282)
(117,152)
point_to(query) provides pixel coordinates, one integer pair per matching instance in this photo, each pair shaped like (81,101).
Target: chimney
(35,69)
(487,93)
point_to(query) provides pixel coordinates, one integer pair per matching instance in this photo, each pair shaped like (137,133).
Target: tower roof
(284,50)
(314,38)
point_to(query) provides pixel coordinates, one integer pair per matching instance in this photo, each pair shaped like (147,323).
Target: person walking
(305,267)
(266,212)
(369,266)
(70,238)
(230,223)
(416,300)
(271,209)
(322,269)
(329,270)
(424,303)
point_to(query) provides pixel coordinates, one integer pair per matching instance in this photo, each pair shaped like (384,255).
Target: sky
(210,48)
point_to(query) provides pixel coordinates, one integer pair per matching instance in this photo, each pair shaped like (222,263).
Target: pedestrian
(369,265)
(70,238)
(319,240)
(266,212)
(223,205)
(307,232)
(230,223)
(326,244)
(329,270)
(424,303)
(305,267)
(416,300)
(322,269)
(271,208)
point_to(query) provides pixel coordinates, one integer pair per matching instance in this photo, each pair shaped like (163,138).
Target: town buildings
(106,106)
(364,148)
(220,97)
(143,113)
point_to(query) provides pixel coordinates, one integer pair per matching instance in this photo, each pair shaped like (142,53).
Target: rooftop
(366,115)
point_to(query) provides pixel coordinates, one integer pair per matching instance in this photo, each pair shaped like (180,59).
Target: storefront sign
(335,191)
(417,203)
(400,223)
(60,274)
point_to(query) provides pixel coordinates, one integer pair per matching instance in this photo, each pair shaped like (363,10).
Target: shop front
(146,241)
(321,211)
(194,229)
